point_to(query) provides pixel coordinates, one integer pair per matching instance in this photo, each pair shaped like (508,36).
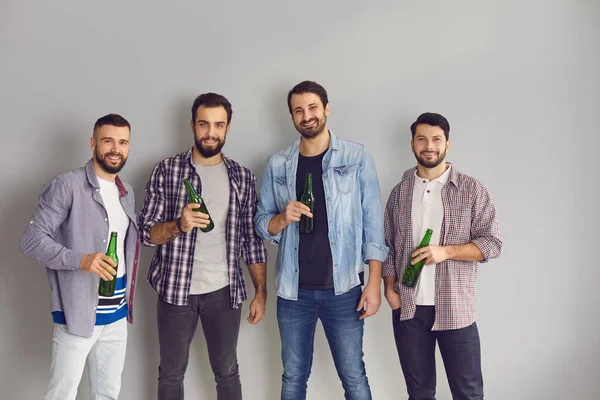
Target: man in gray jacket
(68,234)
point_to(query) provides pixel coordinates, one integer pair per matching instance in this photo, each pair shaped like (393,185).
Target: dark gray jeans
(176,328)
(460,349)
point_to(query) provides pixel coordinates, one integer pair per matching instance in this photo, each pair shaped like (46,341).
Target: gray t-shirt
(210,271)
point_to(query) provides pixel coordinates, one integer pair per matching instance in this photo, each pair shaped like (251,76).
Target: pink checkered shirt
(469,216)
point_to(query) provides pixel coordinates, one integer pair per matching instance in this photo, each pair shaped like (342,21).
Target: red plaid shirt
(469,216)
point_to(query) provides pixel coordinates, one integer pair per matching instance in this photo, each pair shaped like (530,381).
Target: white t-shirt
(118,221)
(427,213)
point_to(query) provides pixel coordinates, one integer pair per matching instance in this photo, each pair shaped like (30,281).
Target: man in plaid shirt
(441,307)
(197,274)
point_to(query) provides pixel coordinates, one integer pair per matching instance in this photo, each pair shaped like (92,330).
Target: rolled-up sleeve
(373,247)
(389,265)
(267,207)
(485,229)
(253,248)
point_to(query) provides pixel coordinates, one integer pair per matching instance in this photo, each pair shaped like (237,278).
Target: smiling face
(308,114)
(111,147)
(429,145)
(210,129)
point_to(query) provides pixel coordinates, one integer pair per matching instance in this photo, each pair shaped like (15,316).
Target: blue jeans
(344,331)
(460,350)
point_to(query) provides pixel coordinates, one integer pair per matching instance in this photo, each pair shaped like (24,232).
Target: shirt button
(427,191)
(333,243)
(330,220)
(31,222)
(329,198)
(424,181)
(104,241)
(324,176)
(105,219)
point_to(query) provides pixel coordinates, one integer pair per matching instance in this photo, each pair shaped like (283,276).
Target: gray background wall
(518,81)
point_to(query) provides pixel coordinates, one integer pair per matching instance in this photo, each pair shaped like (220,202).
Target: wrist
(178,229)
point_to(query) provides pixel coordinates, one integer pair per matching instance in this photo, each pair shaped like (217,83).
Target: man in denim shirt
(69,233)
(319,275)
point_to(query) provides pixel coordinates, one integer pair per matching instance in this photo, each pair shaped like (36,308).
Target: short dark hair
(212,100)
(112,119)
(432,119)
(308,87)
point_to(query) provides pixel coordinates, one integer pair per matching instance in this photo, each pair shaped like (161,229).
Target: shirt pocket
(344,178)
(282,193)
(459,229)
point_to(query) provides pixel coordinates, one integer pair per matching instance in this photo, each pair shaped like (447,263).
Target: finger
(258,317)
(108,268)
(419,252)
(191,206)
(361,303)
(252,315)
(108,260)
(303,207)
(102,274)
(306,212)
(417,259)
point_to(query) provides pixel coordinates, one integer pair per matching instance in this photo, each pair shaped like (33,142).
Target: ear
(412,145)
(327,110)
(92,143)
(192,126)
(447,144)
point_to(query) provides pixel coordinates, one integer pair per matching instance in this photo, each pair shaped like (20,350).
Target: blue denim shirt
(71,221)
(354,213)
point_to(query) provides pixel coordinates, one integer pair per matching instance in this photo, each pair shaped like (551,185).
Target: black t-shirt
(314,253)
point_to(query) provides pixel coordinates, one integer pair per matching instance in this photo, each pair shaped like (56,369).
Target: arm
(38,242)
(390,273)
(254,254)
(152,212)
(270,222)
(486,238)
(267,209)
(374,250)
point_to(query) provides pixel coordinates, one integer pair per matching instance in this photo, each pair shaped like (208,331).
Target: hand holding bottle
(99,264)
(191,219)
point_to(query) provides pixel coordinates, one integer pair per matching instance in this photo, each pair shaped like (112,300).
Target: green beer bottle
(107,288)
(412,272)
(196,198)
(307,225)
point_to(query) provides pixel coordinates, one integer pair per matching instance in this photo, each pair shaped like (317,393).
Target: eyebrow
(300,108)
(208,122)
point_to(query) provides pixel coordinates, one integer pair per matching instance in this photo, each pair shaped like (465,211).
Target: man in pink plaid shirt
(441,306)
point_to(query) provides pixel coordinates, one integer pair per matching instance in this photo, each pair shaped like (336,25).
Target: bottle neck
(112,245)
(308,184)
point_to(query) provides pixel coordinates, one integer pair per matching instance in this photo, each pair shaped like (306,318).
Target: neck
(315,145)
(102,174)
(432,173)
(200,159)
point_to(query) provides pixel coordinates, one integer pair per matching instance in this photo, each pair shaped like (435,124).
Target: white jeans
(105,355)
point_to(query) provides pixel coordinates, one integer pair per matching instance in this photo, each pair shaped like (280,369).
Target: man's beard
(101,159)
(430,164)
(313,131)
(208,152)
